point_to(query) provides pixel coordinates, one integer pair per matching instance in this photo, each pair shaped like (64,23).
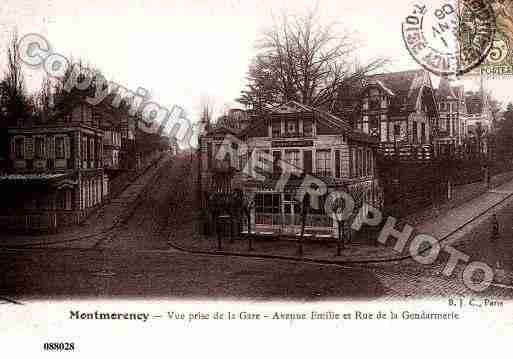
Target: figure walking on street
(495,227)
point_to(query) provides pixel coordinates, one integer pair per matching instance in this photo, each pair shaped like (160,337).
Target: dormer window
(307,128)
(291,128)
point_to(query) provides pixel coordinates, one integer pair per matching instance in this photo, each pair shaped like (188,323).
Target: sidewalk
(442,225)
(105,218)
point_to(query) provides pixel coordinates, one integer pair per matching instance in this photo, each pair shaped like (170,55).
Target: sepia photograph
(201,177)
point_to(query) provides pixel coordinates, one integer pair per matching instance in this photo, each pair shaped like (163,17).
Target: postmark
(450,39)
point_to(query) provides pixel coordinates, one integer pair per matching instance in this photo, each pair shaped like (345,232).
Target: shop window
(292,157)
(268,203)
(323,163)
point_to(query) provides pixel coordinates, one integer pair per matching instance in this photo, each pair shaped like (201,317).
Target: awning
(292,185)
(32,178)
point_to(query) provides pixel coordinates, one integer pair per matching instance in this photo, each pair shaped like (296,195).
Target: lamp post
(338,216)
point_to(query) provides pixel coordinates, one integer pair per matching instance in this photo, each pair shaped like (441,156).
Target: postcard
(244,178)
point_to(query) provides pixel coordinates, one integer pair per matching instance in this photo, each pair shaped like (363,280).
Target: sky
(186,50)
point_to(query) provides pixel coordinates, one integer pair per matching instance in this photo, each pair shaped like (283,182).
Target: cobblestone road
(135,260)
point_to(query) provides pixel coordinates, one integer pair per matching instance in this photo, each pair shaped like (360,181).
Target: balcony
(406,152)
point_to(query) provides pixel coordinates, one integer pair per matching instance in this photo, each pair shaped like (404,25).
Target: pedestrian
(495,227)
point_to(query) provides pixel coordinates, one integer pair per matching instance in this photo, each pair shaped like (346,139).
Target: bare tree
(301,59)
(15,102)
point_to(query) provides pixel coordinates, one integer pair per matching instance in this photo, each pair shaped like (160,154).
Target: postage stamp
(453,38)
(499,61)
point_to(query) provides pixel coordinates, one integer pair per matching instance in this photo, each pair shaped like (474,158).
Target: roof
(359,136)
(403,87)
(445,90)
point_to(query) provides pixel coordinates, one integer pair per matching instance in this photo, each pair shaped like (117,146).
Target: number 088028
(59,346)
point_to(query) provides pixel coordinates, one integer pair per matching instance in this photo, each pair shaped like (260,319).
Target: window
(263,160)
(19,148)
(91,149)
(323,162)
(397,130)
(62,199)
(307,128)
(352,165)
(291,127)
(414,131)
(369,163)
(277,162)
(269,203)
(364,162)
(292,157)
(40,147)
(337,164)
(59,148)
(373,125)
(359,163)
(423,133)
(84,149)
(276,128)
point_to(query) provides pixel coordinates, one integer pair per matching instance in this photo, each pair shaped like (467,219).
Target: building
(397,108)
(55,175)
(307,143)
(478,122)
(110,121)
(452,125)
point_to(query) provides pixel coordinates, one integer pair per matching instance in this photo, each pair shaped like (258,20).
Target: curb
(328,261)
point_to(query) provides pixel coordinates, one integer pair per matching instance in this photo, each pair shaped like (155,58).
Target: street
(134,259)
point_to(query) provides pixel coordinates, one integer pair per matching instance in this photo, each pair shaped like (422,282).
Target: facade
(313,144)
(452,124)
(465,120)
(478,122)
(111,124)
(55,175)
(398,108)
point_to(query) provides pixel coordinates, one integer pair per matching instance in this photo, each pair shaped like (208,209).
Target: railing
(407,152)
(43,220)
(292,222)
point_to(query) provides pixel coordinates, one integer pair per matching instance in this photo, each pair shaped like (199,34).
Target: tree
(301,59)
(503,146)
(15,104)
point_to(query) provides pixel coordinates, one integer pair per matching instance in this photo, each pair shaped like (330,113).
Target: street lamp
(338,214)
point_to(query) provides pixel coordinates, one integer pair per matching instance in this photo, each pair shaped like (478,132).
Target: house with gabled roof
(298,139)
(398,108)
(453,111)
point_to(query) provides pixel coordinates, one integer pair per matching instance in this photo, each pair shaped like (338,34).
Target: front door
(307,162)
(291,214)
